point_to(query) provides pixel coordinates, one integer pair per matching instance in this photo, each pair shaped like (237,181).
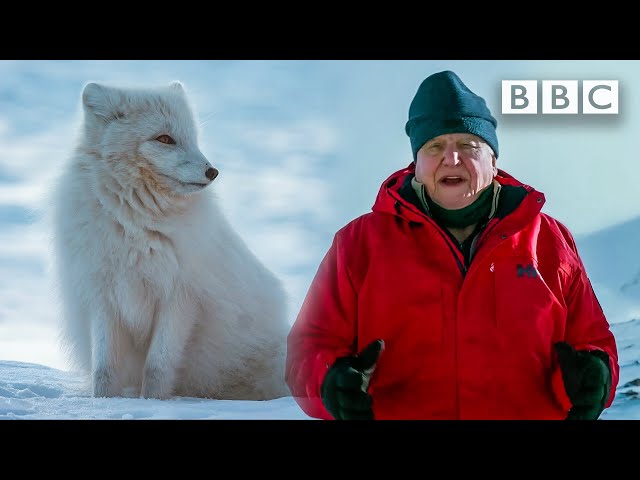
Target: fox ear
(101,101)
(177,85)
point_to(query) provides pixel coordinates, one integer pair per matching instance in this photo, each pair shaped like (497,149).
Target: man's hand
(344,389)
(587,380)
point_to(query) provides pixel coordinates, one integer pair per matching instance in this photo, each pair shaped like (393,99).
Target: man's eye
(166,139)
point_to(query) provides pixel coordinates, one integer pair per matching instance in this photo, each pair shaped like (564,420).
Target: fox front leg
(103,356)
(174,324)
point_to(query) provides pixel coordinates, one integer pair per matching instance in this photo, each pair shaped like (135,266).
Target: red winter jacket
(460,343)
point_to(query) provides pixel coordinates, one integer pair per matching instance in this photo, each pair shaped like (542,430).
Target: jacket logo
(530,271)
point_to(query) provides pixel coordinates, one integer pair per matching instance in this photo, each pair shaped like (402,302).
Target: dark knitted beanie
(444,104)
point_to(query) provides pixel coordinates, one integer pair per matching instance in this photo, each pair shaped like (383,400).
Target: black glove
(587,380)
(344,388)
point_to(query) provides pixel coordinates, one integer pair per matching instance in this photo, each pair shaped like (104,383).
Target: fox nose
(211,173)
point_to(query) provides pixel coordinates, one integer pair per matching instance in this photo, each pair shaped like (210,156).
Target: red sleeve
(587,327)
(324,330)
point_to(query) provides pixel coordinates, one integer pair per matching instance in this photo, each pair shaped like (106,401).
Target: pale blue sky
(302,147)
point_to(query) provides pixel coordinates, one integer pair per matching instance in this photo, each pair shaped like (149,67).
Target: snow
(36,392)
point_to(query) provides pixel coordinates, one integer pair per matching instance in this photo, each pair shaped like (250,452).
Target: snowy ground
(30,391)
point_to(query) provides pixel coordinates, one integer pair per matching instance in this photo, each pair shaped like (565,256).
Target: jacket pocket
(526,309)
(413,333)
(423,319)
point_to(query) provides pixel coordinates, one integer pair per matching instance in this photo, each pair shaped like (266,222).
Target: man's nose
(451,157)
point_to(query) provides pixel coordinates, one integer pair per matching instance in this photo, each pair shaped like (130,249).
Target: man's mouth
(451,180)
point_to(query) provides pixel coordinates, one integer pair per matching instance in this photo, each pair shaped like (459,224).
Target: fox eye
(166,139)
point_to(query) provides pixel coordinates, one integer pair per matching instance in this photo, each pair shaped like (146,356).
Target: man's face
(454,168)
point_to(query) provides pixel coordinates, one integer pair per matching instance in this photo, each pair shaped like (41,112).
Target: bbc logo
(560,97)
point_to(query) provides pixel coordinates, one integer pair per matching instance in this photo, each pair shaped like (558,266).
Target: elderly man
(456,297)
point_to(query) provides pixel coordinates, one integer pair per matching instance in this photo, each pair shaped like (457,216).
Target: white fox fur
(160,297)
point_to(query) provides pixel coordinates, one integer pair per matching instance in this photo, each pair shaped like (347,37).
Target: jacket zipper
(479,238)
(461,266)
(463,270)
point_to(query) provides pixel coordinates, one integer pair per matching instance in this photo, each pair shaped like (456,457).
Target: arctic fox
(160,296)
